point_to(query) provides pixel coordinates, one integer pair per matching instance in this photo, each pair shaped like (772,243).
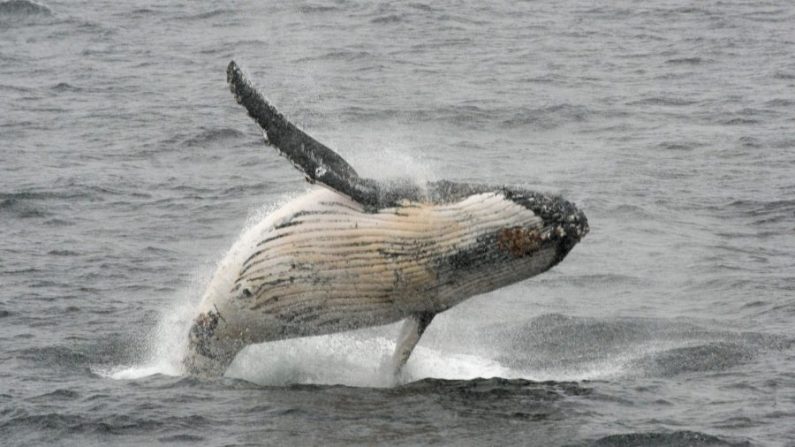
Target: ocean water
(127,170)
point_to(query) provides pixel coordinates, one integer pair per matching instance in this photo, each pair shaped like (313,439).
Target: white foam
(165,346)
(332,359)
(433,363)
(128,372)
(349,359)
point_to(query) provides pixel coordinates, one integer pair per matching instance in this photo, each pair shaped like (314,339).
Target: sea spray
(165,345)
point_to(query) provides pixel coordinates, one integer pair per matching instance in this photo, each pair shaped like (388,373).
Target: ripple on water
(678,145)
(22,8)
(208,137)
(57,395)
(65,253)
(109,424)
(764,211)
(658,439)
(686,61)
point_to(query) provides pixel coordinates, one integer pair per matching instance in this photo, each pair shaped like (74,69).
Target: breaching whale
(361,253)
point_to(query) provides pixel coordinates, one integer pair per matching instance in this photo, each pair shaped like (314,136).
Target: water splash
(354,360)
(378,155)
(357,359)
(165,346)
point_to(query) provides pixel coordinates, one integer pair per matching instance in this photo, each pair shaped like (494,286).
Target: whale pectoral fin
(410,334)
(318,162)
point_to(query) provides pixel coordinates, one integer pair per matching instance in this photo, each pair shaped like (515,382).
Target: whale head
(515,234)
(564,225)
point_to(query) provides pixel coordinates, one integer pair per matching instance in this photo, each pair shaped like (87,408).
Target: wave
(780,102)
(34,202)
(559,346)
(68,253)
(61,194)
(63,87)
(660,439)
(764,211)
(317,9)
(59,423)
(55,356)
(549,117)
(686,61)
(470,115)
(388,19)
(739,122)
(344,55)
(23,8)
(209,14)
(57,395)
(663,101)
(210,136)
(20,209)
(15,89)
(709,356)
(683,146)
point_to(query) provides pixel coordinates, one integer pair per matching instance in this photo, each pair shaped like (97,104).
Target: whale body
(361,253)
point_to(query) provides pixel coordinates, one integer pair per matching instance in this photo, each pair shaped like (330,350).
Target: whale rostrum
(361,253)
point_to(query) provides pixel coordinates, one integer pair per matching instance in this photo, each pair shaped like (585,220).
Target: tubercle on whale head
(569,226)
(571,222)
(551,208)
(563,223)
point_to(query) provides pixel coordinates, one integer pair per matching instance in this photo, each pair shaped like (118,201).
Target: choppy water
(126,171)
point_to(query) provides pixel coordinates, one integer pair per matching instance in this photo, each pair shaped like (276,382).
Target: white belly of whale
(322,264)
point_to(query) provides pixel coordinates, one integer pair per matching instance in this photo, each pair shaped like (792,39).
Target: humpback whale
(360,252)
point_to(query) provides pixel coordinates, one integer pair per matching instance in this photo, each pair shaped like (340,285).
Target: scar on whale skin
(519,241)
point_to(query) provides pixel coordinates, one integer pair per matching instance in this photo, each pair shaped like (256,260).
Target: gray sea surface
(127,170)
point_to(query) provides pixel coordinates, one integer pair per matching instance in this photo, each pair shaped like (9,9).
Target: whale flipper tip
(316,161)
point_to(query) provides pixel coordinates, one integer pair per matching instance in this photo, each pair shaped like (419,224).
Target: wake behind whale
(361,253)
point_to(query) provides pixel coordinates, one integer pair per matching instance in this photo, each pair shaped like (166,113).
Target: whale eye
(247,293)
